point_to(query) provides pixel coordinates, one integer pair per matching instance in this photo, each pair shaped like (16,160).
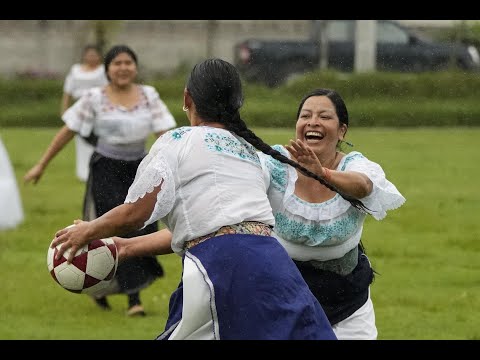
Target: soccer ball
(91,270)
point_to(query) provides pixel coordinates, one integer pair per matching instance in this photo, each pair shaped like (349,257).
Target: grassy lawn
(427,252)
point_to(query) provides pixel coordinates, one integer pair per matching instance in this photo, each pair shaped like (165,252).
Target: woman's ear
(342,131)
(187,99)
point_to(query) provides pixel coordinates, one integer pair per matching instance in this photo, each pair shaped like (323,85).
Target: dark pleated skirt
(340,296)
(107,186)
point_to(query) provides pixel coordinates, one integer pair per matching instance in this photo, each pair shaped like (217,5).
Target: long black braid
(216,90)
(239,127)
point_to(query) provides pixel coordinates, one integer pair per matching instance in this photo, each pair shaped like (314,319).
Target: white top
(11,208)
(211,178)
(327,230)
(78,81)
(114,125)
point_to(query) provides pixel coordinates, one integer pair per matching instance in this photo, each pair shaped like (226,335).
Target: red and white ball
(91,270)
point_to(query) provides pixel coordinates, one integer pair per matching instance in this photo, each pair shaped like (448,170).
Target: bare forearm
(118,221)
(58,142)
(351,183)
(157,243)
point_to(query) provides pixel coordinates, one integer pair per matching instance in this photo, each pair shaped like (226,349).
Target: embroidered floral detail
(178,133)
(278,170)
(350,157)
(318,233)
(230,145)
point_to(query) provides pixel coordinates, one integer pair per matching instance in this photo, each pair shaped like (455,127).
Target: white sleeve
(384,195)
(80,117)
(154,169)
(162,118)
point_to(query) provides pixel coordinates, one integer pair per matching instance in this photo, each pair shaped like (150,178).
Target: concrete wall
(51,46)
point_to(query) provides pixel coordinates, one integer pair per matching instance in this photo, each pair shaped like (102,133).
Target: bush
(373,99)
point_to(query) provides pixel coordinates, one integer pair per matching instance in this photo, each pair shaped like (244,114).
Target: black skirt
(107,187)
(340,296)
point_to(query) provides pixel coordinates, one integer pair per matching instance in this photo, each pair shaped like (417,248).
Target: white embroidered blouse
(78,81)
(116,126)
(327,230)
(211,178)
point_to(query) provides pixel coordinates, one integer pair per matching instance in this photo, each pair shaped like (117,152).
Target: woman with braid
(205,182)
(319,229)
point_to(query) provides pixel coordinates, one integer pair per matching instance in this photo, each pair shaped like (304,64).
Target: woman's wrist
(327,175)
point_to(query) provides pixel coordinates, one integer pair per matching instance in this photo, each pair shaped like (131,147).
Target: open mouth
(313,136)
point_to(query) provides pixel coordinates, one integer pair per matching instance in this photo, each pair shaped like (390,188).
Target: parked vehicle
(398,49)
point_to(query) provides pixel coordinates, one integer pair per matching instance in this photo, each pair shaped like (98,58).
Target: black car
(397,48)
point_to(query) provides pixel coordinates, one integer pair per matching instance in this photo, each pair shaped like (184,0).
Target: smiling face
(92,57)
(318,124)
(122,70)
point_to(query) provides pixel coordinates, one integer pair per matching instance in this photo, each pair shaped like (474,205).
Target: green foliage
(373,99)
(426,252)
(464,32)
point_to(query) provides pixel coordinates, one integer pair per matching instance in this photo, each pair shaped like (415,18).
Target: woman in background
(121,116)
(81,77)
(11,210)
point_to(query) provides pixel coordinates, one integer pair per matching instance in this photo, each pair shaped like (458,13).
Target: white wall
(161,45)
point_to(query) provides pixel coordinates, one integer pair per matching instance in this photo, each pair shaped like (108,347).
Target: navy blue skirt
(243,287)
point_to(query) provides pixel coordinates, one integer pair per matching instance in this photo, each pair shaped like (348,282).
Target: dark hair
(340,107)
(216,90)
(91,47)
(112,54)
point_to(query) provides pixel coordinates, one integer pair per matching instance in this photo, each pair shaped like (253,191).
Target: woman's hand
(305,156)
(34,174)
(73,237)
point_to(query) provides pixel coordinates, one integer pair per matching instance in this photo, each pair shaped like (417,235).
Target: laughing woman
(121,116)
(321,230)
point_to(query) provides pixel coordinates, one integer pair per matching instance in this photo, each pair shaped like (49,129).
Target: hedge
(373,99)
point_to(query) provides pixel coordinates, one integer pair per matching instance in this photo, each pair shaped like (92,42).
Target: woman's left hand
(73,237)
(305,156)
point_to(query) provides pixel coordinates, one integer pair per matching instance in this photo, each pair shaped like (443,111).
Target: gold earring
(185,108)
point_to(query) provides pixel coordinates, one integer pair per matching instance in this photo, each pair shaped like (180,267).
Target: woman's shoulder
(179,133)
(352,157)
(149,89)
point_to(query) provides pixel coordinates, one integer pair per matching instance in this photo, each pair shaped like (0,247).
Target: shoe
(102,303)
(136,310)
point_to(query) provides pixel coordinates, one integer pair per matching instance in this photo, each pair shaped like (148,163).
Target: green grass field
(427,252)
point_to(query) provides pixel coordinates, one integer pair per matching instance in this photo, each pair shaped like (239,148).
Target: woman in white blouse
(205,183)
(321,230)
(81,77)
(11,209)
(121,116)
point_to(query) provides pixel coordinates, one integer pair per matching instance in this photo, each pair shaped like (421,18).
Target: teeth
(314,133)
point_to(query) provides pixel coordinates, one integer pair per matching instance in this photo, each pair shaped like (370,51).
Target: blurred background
(47,48)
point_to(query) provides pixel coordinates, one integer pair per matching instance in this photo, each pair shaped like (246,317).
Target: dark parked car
(398,49)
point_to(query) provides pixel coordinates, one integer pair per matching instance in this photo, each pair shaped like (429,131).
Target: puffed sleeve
(162,119)
(156,167)
(80,117)
(68,83)
(384,196)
